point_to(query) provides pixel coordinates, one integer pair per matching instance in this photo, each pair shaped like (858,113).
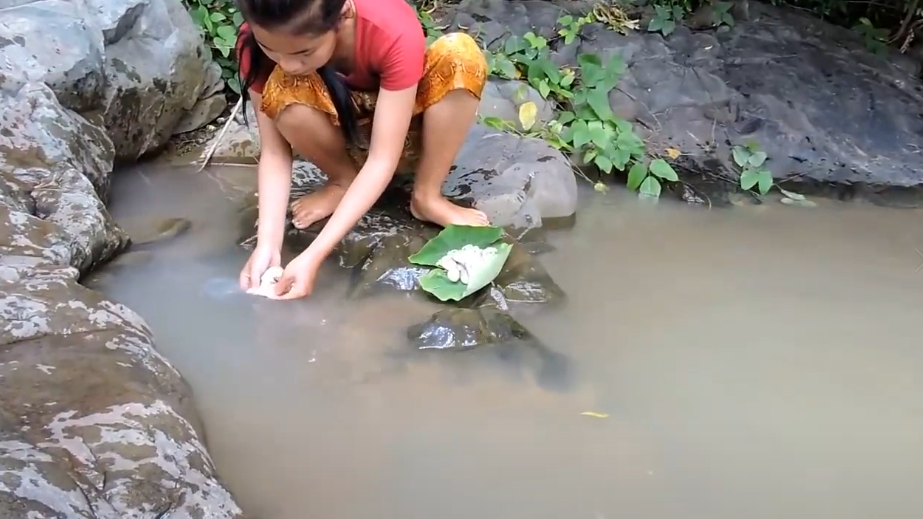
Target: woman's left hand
(298,278)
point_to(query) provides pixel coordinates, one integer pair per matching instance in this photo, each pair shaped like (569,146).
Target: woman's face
(298,55)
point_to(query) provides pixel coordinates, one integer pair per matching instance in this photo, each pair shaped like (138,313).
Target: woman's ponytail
(342,101)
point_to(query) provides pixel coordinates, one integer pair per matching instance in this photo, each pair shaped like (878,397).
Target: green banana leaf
(453,237)
(437,283)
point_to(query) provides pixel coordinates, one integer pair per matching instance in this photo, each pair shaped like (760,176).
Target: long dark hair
(302,17)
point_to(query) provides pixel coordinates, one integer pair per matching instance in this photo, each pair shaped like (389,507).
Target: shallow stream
(758,362)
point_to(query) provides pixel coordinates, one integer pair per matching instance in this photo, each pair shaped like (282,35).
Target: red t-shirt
(390,46)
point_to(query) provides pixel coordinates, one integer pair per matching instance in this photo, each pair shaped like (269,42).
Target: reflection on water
(761,362)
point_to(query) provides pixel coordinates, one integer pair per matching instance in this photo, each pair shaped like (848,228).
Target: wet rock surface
(519,182)
(135,68)
(378,248)
(502,99)
(829,114)
(157,231)
(94,422)
(460,329)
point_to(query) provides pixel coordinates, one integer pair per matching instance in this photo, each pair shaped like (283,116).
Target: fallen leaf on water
(792,194)
(594,414)
(600,187)
(801,203)
(673,153)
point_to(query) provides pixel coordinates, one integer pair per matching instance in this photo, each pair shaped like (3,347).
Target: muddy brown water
(760,362)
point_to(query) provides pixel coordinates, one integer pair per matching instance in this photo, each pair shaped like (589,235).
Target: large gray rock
(501,184)
(94,423)
(502,99)
(519,182)
(240,143)
(138,65)
(825,110)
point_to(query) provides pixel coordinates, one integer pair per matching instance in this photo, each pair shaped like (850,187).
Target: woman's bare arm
(274,178)
(393,112)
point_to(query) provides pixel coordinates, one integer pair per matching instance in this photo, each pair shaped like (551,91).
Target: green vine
(219,20)
(585,126)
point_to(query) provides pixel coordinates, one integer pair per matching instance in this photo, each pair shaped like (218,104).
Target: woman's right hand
(260,260)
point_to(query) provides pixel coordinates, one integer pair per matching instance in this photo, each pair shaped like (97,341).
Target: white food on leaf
(458,263)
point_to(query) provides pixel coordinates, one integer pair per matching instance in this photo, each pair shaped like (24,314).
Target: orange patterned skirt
(454,61)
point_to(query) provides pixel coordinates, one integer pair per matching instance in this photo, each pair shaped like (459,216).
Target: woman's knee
(309,130)
(300,119)
(465,59)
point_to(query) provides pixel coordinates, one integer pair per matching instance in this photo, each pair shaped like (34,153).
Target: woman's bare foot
(316,206)
(442,212)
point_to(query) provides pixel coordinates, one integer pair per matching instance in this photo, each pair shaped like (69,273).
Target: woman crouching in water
(318,71)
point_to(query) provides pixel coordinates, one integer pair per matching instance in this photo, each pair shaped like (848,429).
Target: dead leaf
(800,203)
(673,153)
(527,114)
(792,194)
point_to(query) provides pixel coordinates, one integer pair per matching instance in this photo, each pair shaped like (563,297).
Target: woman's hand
(298,278)
(260,260)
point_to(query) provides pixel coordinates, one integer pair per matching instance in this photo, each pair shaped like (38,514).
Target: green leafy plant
(875,39)
(571,26)
(665,18)
(721,14)
(465,260)
(431,28)
(219,21)
(646,179)
(752,163)
(589,128)
(529,58)
(586,127)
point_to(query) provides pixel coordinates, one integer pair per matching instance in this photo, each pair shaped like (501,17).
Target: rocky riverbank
(94,423)
(833,118)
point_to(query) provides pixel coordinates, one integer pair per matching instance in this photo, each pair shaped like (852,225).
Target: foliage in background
(752,163)
(219,20)
(880,23)
(585,126)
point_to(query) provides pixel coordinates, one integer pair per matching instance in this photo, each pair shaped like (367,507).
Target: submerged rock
(157,231)
(386,268)
(461,329)
(378,249)
(825,110)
